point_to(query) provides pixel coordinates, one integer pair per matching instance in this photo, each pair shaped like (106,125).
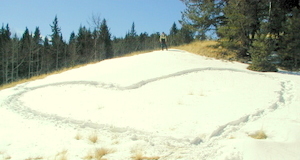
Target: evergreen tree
(72,51)
(56,32)
(173,30)
(142,41)
(5,47)
(202,16)
(276,15)
(236,33)
(131,44)
(15,61)
(36,54)
(132,32)
(242,24)
(180,36)
(85,45)
(260,51)
(290,51)
(173,37)
(153,41)
(185,36)
(105,38)
(26,54)
(46,58)
(57,43)
(118,46)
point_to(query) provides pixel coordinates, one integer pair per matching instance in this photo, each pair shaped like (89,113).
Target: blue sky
(148,15)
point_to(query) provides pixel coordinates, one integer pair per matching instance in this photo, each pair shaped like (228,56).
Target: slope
(171,104)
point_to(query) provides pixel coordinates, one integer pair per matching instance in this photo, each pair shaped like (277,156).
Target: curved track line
(142,83)
(283,99)
(15,104)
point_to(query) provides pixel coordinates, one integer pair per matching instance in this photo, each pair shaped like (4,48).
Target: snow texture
(167,104)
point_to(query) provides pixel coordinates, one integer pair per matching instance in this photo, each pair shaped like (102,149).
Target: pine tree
(260,51)
(5,47)
(290,51)
(46,58)
(173,37)
(202,16)
(105,38)
(173,30)
(36,54)
(142,41)
(26,54)
(57,43)
(131,44)
(56,32)
(132,32)
(84,45)
(185,36)
(239,26)
(72,51)
(15,61)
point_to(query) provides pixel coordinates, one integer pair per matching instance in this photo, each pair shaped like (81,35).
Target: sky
(149,16)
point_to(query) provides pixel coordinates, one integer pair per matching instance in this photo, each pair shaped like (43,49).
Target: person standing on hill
(163,41)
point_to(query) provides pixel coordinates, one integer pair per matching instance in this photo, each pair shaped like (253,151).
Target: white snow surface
(171,104)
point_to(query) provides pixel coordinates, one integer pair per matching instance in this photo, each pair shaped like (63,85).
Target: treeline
(32,55)
(265,31)
(138,42)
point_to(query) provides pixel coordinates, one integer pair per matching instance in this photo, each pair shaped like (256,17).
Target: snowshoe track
(18,106)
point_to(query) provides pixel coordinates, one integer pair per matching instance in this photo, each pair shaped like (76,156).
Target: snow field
(160,105)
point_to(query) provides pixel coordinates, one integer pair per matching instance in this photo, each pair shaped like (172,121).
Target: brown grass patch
(62,155)
(78,136)
(35,158)
(93,137)
(208,49)
(139,156)
(98,154)
(259,135)
(89,156)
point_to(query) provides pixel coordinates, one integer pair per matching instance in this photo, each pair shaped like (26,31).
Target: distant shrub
(260,55)
(263,67)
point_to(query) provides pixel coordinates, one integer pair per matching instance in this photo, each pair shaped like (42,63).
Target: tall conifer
(105,38)
(57,43)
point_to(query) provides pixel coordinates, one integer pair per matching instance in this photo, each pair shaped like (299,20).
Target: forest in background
(263,32)
(31,55)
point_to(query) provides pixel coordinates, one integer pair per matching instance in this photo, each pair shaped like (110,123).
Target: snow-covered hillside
(165,105)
